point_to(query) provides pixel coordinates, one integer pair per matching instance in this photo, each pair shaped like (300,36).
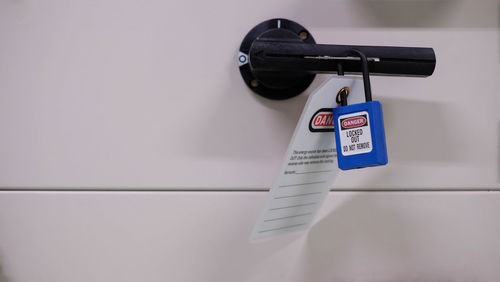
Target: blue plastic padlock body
(360,135)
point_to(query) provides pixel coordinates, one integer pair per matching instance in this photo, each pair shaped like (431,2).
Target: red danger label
(322,121)
(353,122)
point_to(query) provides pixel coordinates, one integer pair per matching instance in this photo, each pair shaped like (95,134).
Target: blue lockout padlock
(359,128)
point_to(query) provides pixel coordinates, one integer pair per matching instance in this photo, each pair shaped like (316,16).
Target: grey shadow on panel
(3,277)
(418,131)
(366,230)
(398,14)
(358,223)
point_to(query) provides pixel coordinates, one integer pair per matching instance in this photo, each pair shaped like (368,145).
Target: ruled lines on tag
(294,202)
(308,168)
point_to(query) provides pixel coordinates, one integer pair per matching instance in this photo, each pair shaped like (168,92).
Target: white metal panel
(204,236)
(147,94)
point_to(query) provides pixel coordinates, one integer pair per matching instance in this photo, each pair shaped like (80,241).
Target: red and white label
(354,122)
(322,121)
(355,134)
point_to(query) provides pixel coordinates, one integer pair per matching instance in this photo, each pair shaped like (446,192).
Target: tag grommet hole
(347,91)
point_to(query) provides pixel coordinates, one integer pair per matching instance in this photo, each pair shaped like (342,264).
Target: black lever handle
(279,58)
(275,55)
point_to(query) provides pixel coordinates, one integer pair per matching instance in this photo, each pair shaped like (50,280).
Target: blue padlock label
(355,133)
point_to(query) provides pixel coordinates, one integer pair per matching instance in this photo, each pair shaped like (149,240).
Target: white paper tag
(309,165)
(355,134)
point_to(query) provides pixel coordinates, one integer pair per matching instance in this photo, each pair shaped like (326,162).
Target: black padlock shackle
(365,71)
(366,77)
